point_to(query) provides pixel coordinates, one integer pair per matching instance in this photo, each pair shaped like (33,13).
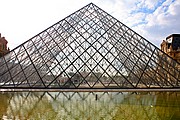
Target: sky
(153,19)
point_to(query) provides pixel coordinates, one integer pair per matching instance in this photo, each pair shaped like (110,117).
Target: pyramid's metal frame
(88,49)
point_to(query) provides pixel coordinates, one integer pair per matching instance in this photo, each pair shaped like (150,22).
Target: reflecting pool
(90,105)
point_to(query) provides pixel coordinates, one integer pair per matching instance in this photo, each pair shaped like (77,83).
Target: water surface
(90,105)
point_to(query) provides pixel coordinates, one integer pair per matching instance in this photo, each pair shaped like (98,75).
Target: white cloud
(162,22)
(149,4)
(153,19)
(21,20)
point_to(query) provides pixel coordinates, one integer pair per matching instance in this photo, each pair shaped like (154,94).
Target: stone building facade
(171,46)
(3,46)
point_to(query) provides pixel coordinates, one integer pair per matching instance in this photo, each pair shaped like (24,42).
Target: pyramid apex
(91,4)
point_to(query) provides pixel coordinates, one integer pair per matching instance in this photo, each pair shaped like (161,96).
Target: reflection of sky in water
(90,105)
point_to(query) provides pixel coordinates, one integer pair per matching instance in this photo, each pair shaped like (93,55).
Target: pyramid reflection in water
(85,106)
(88,49)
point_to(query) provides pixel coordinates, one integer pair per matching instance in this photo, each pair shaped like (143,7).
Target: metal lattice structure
(88,49)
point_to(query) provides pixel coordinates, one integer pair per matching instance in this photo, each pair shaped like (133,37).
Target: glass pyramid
(88,49)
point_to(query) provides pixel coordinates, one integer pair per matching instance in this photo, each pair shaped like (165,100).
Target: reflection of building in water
(85,106)
(171,46)
(167,105)
(3,46)
(4,97)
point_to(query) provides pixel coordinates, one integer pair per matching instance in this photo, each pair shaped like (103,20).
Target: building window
(0,47)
